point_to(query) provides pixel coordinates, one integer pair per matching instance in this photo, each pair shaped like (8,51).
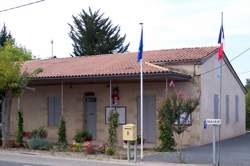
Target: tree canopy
(11,58)
(5,36)
(94,34)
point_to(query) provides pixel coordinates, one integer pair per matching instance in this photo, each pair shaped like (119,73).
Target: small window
(236,108)
(227,109)
(216,106)
(54,110)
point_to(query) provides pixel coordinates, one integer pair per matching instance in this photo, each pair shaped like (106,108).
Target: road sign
(213,121)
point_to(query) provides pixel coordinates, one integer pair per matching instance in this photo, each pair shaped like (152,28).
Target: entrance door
(90,115)
(149,119)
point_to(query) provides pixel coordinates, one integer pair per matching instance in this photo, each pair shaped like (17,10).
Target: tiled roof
(115,64)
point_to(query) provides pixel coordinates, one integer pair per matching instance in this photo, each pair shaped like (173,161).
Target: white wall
(210,84)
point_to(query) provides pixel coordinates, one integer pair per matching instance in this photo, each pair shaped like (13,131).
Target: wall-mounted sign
(185,119)
(213,121)
(121,110)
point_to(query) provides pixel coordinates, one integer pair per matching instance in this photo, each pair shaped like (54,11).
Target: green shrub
(109,151)
(40,132)
(19,137)
(39,144)
(112,130)
(62,138)
(82,136)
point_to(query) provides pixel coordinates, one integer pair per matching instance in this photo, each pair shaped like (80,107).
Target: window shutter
(216,106)
(237,108)
(57,110)
(227,109)
(51,111)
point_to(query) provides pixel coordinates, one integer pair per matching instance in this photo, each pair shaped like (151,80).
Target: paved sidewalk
(234,152)
(10,158)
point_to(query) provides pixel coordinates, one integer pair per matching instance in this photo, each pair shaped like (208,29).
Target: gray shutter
(237,108)
(51,111)
(57,110)
(216,106)
(227,109)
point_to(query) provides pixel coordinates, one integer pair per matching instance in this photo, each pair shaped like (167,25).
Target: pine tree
(92,34)
(5,36)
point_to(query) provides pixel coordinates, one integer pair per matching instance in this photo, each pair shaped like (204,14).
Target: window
(236,108)
(54,110)
(216,106)
(227,109)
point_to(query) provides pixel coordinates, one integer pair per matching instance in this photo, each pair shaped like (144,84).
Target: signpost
(214,123)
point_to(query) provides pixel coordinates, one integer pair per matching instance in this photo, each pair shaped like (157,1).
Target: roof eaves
(171,74)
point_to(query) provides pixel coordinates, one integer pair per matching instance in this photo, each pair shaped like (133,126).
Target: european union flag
(139,56)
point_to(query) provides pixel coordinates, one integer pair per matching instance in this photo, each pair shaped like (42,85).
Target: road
(8,158)
(234,152)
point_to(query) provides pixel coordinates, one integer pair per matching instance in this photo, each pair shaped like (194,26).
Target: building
(82,89)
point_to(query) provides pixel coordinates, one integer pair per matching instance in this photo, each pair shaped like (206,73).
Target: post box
(129,132)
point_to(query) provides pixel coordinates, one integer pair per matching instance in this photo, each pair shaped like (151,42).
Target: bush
(40,132)
(112,130)
(19,137)
(89,148)
(76,147)
(62,138)
(109,151)
(39,144)
(82,136)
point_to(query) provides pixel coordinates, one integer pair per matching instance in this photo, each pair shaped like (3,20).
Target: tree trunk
(6,112)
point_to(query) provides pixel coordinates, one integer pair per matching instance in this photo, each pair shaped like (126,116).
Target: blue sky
(167,24)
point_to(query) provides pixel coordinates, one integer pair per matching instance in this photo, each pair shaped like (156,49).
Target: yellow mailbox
(129,132)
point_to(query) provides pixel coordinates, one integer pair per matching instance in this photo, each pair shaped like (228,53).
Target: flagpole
(219,147)
(141,95)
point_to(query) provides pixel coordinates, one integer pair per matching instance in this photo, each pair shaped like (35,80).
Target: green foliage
(173,116)
(11,78)
(82,136)
(165,120)
(62,138)
(40,132)
(19,137)
(112,130)
(92,34)
(5,36)
(109,151)
(39,144)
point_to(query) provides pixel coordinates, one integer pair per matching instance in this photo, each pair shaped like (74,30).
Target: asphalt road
(234,152)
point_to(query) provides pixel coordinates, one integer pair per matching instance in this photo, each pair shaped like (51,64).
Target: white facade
(231,88)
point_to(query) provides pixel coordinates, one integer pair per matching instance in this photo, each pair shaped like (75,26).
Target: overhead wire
(20,6)
(234,58)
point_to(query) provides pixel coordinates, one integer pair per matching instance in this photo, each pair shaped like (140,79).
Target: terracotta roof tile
(114,64)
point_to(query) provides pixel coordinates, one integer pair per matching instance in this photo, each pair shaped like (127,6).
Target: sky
(167,24)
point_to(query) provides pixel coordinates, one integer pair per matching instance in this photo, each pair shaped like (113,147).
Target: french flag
(221,42)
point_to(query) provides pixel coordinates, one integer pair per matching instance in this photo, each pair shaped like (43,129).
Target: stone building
(82,89)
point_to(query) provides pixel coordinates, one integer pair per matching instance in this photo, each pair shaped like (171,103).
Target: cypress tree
(94,34)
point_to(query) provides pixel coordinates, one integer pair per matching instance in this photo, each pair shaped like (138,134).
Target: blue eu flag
(139,56)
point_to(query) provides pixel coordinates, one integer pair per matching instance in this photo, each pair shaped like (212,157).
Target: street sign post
(214,123)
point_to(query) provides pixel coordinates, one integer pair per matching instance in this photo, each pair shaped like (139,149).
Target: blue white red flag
(221,42)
